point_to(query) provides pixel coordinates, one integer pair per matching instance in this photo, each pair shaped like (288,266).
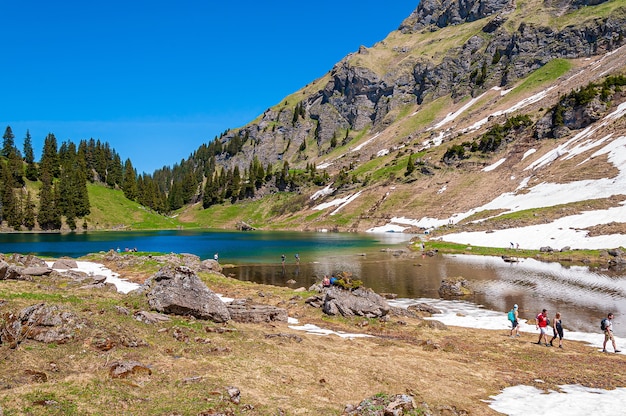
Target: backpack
(603,324)
(511,315)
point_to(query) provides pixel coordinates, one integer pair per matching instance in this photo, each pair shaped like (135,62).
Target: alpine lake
(381,261)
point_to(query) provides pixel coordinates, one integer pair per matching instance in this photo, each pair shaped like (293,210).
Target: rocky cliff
(499,46)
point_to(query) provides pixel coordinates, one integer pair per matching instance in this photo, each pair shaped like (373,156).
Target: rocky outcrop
(180,291)
(454,288)
(444,13)
(245,312)
(358,302)
(40,322)
(353,96)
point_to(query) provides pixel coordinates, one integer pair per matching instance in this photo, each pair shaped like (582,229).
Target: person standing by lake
(557,327)
(513,313)
(608,332)
(542,326)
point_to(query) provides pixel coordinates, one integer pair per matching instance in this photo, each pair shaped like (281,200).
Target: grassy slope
(111,210)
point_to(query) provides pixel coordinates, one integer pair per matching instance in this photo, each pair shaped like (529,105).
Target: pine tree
(189,187)
(16,168)
(29,158)
(8,143)
(129,185)
(48,217)
(410,165)
(175,197)
(50,157)
(7,202)
(29,212)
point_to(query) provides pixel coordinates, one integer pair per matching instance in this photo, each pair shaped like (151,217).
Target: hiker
(325,281)
(333,279)
(282,258)
(557,328)
(542,326)
(607,323)
(216,257)
(297,256)
(514,318)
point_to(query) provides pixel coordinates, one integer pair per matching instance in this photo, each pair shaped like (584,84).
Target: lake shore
(403,354)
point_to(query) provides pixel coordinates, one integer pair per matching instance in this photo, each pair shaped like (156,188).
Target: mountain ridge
(419,97)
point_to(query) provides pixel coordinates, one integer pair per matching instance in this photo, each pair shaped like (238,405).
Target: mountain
(467,106)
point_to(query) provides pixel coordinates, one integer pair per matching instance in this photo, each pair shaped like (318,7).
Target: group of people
(329,281)
(296,256)
(542,322)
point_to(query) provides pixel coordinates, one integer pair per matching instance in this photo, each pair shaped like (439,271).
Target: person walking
(557,328)
(542,326)
(513,313)
(608,332)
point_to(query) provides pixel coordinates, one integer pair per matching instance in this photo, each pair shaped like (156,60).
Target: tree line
(64,171)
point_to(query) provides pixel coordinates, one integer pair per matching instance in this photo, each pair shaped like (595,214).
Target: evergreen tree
(50,158)
(8,143)
(7,203)
(189,187)
(410,165)
(29,212)
(16,168)
(48,217)
(29,158)
(211,192)
(175,197)
(129,185)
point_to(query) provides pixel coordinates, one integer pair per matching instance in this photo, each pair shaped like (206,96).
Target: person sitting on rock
(326,281)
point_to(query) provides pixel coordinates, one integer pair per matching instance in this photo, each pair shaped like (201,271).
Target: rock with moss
(454,288)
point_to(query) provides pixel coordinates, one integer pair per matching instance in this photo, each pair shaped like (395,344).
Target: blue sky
(156,79)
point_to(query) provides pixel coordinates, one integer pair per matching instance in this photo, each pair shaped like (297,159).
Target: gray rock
(211,265)
(36,271)
(358,302)
(242,311)
(4,266)
(150,317)
(179,291)
(454,288)
(42,323)
(424,307)
(64,264)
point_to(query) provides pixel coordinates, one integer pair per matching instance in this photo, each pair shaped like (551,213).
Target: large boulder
(454,288)
(64,264)
(358,302)
(180,291)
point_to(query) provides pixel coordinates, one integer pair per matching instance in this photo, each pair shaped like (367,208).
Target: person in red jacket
(542,325)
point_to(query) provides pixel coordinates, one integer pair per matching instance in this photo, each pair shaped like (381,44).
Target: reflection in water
(582,296)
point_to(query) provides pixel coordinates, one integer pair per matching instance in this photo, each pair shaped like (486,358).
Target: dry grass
(457,367)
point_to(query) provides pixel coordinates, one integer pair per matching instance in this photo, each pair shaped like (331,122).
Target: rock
(234,394)
(546,249)
(150,317)
(179,291)
(242,311)
(64,264)
(358,302)
(424,307)
(36,271)
(433,324)
(211,265)
(566,248)
(454,288)
(40,322)
(4,266)
(615,252)
(125,369)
